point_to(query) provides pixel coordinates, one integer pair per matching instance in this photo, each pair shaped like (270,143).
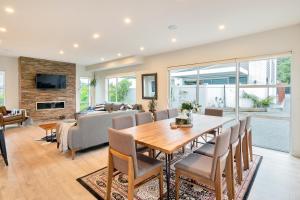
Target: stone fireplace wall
(29,94)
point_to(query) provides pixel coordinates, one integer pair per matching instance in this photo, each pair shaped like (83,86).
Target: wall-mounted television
(50,81)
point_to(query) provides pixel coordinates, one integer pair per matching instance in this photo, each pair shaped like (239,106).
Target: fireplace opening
(50,105)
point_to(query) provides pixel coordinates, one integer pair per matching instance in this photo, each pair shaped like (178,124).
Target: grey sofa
(92,130)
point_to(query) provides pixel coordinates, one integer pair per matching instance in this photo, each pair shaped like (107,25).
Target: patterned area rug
(95,183)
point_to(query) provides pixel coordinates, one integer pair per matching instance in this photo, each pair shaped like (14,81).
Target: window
(262,91)
(85,99)
(2,88)
(121,89)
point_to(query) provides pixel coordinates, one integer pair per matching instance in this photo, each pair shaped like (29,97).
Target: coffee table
(49,127)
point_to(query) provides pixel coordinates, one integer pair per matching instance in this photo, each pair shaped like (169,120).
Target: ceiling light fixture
(119,54)
(142,48)
(9,10)
(127,20)
(61,52)
(173,40)
(2,29)
(96,36)
(75,45)
(221,27)
(102,59)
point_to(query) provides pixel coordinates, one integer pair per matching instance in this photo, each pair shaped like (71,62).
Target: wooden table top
(48,126)
(159,135)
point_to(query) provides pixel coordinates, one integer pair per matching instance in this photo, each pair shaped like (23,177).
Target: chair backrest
(221,150)
(235,132)
(213,112)
(161,115)
(124,144)
(173,112)
(242,127)
(143,118)
(123,122)
(248,122)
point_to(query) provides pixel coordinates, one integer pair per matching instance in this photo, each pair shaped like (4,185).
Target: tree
(284,70)
(84,96)
(118,93)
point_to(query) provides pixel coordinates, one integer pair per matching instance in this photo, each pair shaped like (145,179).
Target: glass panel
(269,104)
(122,90)
(84,93)
(126,88)
(217,87)
(112,90)
(183,86)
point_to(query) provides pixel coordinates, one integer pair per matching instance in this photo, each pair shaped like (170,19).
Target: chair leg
(73,152)
(109,177)
(250,145)
(230,176)
(245,151)
(130,185)
(161,186)
(238,157)
(218,185)
(177,184)
(183,149)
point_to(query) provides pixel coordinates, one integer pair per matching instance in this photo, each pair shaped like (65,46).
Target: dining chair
(249,136)
(244,143)
(211,112)
(123,122)
(205,169)
(138,167)
(143,118)
(173,112)
(161,115)
(234,152)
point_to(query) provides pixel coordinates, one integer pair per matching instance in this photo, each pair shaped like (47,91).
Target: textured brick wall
(29,94)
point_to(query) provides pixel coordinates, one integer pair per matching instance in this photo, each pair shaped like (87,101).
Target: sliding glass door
(262,91)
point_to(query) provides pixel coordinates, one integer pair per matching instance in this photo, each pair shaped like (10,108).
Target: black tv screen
(50,81)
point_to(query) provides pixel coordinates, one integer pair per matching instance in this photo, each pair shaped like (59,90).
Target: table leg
(168,174)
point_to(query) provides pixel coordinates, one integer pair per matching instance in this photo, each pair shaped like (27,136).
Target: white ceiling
(41,28)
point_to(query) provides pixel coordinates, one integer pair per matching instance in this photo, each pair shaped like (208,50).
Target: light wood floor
(37,170)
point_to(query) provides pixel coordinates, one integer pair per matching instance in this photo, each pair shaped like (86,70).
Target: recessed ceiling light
(9,10)
(75,45)
(221,27)
(96,36)
(127,20)
(2,29)
(102,59)
(119,54)
(61,52)
(174,40)
(142,48)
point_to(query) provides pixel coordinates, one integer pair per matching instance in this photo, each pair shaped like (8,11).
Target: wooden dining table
(160,136)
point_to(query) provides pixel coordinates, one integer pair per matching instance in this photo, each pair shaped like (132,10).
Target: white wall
(270,42)
(10,66)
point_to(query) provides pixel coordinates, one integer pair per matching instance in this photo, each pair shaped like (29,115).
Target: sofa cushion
(116,107)
(109,107)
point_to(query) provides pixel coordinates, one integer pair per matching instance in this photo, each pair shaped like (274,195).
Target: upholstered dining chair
(207,170)
(138,167)
(249,136)
(123,122)
(234,152)
(244,143)
(161,115)
(210,112)
(143,118)
(173,112)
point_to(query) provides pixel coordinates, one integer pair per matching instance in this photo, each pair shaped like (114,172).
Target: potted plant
(152,105)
